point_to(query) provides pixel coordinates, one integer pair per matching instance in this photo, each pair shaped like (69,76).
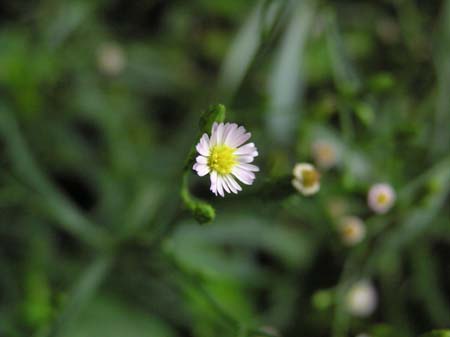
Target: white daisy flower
(381,197)
(362,299)
(225,157)
(352,230)
(325,153)
(306,179)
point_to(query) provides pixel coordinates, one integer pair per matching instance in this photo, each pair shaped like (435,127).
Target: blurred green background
(99,107)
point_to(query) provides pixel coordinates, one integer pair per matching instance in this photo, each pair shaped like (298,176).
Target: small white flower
(225,158)
(325,153)
(362,299)
(352,230)
(381,198)
(306,179)
(362,335)
(270,330)
(110,59)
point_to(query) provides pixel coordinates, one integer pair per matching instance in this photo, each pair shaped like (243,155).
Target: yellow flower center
(222,159)
(382,198)
(310,178)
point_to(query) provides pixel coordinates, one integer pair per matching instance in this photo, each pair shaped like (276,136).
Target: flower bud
(203,212)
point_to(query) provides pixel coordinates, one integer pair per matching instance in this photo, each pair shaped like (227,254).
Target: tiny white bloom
(325,153)
(225,157)
(352,230)
(110,59)
(362,335)
(270,330)
(381,198)
(362,299)
(306,179)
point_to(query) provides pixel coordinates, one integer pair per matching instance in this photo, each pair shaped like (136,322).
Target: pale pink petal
(234,135)
(245,159)
(220,186)
(203,146)
(213,177)
(230,132)
(234,183)
(213,138)
(214,127)
(247,149)
(238,141)
(226,128)
(201,169)
(249,167)
(219,134)
(201,160)
(245,176)
(230,185)
(225,184)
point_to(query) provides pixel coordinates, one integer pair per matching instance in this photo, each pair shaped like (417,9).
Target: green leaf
(285,81)
(215,113)
(109,316)
(242,52)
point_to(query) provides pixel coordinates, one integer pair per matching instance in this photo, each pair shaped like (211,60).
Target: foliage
(101,106)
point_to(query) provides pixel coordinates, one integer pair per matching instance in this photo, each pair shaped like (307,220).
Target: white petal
(299,168)
(219,134)
(246,149)
(229,183)
(238,141)
(213,139)
(214,127)
(201,160)
(226,128)
(225,184)
(234,135)
(245,176)
(213,177)
(201,169)
(219,186)
(249,167)
(311,189)
(245,159)
(298,185)
(233,182)
(230,132)
(203,146)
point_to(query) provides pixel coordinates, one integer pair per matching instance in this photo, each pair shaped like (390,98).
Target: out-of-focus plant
(103,218)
